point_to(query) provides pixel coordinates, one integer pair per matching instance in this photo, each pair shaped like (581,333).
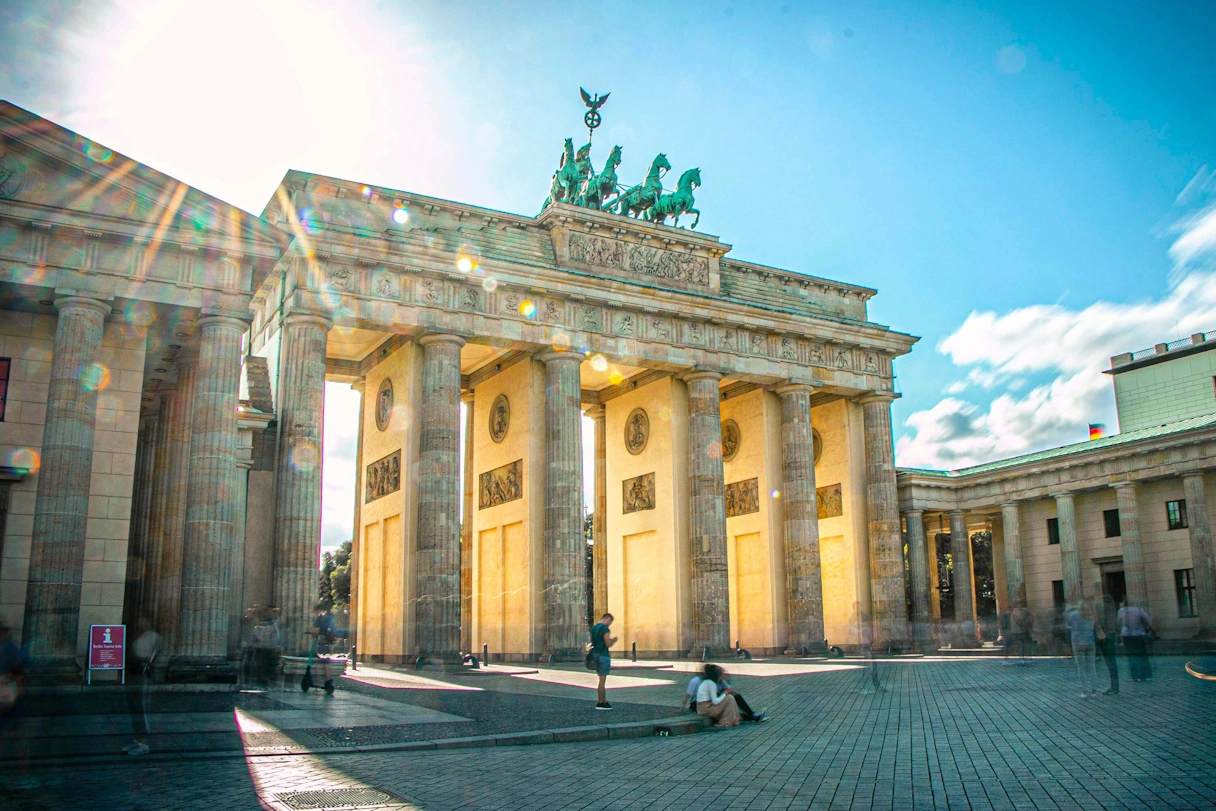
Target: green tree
(333,588)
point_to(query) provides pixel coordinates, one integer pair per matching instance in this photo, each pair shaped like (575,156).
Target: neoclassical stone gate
(745,485)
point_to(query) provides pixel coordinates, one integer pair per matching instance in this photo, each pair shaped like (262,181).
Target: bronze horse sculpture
(678,202)
(641,198)
(566,179)
(594,189)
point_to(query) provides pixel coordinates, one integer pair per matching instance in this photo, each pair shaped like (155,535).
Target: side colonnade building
(162,434)
(1126,516)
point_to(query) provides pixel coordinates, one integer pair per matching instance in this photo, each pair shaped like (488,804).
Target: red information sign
(106,647)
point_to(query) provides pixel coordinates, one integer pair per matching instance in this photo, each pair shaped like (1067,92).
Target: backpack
(592,659)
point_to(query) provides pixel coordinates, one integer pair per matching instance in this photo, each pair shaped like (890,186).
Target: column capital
(794,388)
(1125,485)
(887,397)
(700,374)
(466,397)
(914,513)
(595,412)
(555,357)
(79,302)
(306,318)
(1012,503)
(952,513)
(1193,474)
(221,321)
(359,385)
(441,338)
(1062,496)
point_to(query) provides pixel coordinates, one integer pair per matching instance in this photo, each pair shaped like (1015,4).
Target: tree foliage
(333,590)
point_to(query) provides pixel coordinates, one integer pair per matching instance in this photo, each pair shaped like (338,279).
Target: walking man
(600,642)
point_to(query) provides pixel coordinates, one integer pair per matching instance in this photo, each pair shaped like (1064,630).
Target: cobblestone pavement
(940,734)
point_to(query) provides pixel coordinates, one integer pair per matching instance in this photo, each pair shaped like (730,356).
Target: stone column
(134,606)
(707,518)
(236,580)
(210,501)
(52,597)
(1133,546)
(466,530)
(157,505)
(890,613)
(297,525)
(1199,525)
(964,581)
(565,548)
(918,571)
(167,613)
(356,533)
(437,617)
(1070,552)
(804,583)
(599,516)
(1015,576)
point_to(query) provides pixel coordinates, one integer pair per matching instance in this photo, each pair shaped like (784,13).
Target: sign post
(107,649)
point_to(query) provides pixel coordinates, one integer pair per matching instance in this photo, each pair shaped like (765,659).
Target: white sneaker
(139,749)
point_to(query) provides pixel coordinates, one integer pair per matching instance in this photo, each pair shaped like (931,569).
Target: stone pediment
(54,177)
(611,245)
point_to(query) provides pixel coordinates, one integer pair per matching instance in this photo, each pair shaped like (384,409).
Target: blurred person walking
(13,664)
(719,706)
(1136,627)
(1108,637)
(148,648)
(1023,628)
(1082,632)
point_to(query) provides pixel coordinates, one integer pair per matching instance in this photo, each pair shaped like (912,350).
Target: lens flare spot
(309,221)
(561,342)
(96,152)
(401,215)
(665,413)
(95,377)
(775,493)
(714,450)
(304,457)
(26,459)
(527,309)
(599,363)
(464,264)
(366,191)
(490,284)
(615,377)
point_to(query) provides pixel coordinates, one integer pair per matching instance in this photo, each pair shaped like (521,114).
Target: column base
(200,670)
(811,650)
(57,671)
(727,653)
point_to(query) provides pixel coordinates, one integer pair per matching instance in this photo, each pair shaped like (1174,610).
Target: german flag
(1097,430)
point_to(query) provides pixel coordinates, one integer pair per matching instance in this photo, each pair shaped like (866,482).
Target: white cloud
(1070,347)
(338,460)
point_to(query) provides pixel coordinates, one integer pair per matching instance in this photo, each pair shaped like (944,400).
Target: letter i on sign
(106,640)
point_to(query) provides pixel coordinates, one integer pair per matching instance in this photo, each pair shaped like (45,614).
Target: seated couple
(711,696)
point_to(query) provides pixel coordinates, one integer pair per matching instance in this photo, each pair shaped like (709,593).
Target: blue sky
(1027,185)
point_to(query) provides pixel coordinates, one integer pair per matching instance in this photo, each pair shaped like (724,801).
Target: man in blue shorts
(600,642)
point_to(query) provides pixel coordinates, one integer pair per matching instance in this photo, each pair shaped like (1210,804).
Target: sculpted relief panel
(383,477)
(638,494)
(502,484)
(831,504)
(639,260)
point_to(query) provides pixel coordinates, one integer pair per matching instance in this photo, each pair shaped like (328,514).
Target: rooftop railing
(1162,349)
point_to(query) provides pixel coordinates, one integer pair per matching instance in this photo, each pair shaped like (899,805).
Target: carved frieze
(470,299)
(384,403)
(385,285)
(500,418)
(730,440)
(660,329)
(637,494)
(629,259)
(742,498)
(502,484)
(830,502)
(430,291)
(637,431)
(624,324)
(383,477)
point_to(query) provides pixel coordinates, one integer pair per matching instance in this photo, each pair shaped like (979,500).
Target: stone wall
(1166,392)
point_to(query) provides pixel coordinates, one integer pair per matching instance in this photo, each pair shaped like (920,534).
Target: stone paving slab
(959,734)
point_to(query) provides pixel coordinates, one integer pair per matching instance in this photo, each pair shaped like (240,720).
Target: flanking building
(1126,515)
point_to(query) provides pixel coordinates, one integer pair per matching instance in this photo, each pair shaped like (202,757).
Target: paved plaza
(940,733)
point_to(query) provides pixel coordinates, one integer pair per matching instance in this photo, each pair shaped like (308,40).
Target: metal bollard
(485,653)
(705,654)
(354,659)
(804,652)
(633,651)
(552,659)
(419,663)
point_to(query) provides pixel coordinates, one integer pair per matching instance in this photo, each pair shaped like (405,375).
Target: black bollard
(804,651)
(705,654)
(552,659)
(354,661)
(485,653)
(419,662)
(633,653)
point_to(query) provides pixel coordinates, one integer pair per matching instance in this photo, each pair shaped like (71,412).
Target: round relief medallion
(817,444)
(730,440)
(500,418)
(637,431)
(384,403)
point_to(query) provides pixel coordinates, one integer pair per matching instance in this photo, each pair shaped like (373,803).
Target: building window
(1184,586)
(5,365)
(1053,531)
(1111,518)
(1057,593)
(1175,513)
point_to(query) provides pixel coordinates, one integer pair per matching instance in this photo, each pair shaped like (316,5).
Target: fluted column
(1199,525)
(157,504)
(707,517)
(466,529)
(1070,551)
(52,597)
(804,583)
(599,516)
(437,617)
(1015,575)
(886,545)
(202,644)
(236,578)
(964,580)
(918,571)
(172,504)
(1134,579)
(356,532)
(565,549)
(297,525)
(134,606)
